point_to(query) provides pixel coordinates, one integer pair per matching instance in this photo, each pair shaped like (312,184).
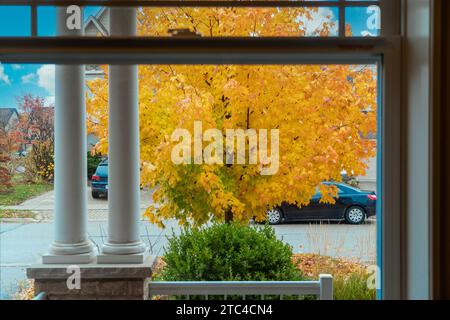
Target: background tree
(322,113)
(93,160)
(36,131)
(5,157)
(9,144)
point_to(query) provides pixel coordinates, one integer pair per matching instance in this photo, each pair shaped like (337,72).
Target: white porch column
(71,244)
(124,244)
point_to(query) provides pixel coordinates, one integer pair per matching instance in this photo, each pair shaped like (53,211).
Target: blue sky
(17,80)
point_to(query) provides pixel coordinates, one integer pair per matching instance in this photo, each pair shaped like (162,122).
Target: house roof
(97,24)
(95,20)
(6,114)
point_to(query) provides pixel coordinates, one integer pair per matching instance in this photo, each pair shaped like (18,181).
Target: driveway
(97,208)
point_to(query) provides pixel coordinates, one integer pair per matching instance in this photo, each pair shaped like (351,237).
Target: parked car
(352,205)
(99,181)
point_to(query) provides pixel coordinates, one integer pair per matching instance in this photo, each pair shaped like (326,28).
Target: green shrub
(232,252)
(228,252)
(93,160)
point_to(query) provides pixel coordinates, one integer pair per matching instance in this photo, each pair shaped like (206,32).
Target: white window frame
(340,4)
(385,50)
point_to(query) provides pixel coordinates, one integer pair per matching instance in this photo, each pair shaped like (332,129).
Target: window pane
(327,121)
(322,21)
(363,21)
(311,20)
(15,21)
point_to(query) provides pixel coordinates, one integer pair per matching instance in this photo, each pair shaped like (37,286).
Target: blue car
(352,205)
(99,181)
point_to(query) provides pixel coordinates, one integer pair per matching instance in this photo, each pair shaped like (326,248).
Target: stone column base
(96,282)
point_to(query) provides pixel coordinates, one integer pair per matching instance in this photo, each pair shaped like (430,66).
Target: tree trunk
(228,217)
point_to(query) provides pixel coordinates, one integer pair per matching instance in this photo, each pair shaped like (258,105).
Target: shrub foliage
(228,252)
(93,160)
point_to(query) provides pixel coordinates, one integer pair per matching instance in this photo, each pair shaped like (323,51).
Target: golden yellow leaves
(222,21)
(323,114)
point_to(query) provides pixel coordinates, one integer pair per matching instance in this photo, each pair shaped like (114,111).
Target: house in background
(8,117)
(96,26)
(369,180)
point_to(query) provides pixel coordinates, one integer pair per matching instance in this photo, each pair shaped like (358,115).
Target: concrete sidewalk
(22,244)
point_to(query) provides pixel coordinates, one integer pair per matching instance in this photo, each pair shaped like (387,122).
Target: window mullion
(342,18)
(34,19)
(390,17)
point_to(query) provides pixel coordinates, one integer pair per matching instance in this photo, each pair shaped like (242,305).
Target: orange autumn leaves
(322,114)
(222,21)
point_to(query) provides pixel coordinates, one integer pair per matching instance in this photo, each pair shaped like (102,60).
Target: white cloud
(318,18)
(49,101)
(28,78)
(17,66)
(3,76)
(46,78)
(367,33)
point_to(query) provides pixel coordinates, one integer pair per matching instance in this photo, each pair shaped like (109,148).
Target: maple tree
(322,113)
(35,130)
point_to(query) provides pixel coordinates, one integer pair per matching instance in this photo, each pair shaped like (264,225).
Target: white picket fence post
(326,287)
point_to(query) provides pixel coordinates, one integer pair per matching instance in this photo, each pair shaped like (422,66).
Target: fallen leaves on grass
(16,214)
(312,265)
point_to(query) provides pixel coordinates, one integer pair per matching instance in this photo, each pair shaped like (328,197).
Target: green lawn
(22,192)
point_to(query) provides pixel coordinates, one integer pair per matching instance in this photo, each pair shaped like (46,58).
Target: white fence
(323,288)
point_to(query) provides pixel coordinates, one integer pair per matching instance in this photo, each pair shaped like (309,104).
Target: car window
(342,189)
(349,189)
(102,170)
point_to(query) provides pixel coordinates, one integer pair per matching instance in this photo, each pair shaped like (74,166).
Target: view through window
(289,150)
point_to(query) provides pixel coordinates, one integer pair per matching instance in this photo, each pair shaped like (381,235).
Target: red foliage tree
(36,132)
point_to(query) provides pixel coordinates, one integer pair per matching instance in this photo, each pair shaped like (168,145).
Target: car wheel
(95,195)
(355,215)
(274,216)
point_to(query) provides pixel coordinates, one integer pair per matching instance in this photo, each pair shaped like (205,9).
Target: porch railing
(323,288)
